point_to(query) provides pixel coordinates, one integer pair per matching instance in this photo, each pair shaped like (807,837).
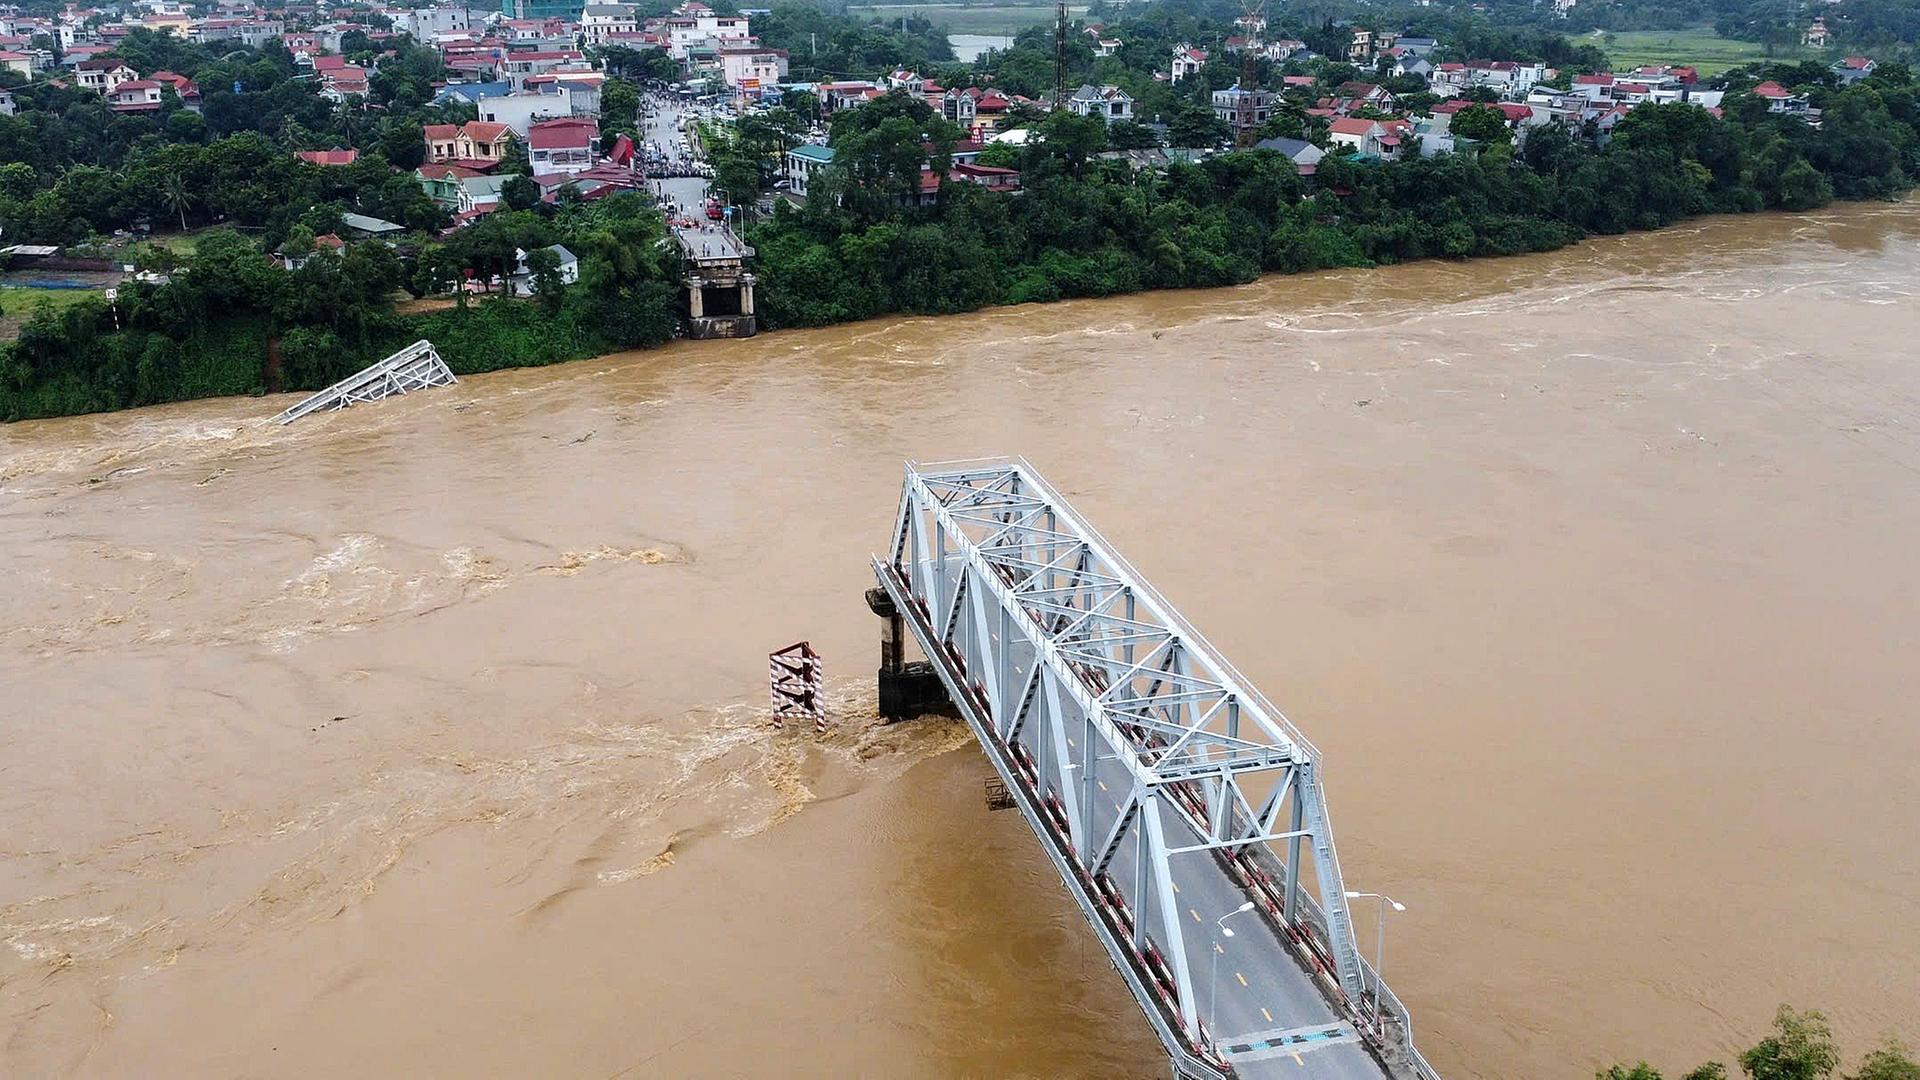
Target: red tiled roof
(445,170)
(562,134)
(1346,125)
(1771,89)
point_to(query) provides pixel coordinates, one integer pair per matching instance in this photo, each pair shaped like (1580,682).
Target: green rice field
(1699,47)
(991,19)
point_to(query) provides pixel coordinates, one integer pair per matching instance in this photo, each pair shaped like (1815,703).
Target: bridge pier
(907,688)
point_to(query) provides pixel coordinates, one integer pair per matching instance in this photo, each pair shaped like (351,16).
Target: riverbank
(1074,232)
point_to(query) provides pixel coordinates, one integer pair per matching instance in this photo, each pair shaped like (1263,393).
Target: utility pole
(1059,53)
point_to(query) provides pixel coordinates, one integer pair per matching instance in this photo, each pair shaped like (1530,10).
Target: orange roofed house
(475,144)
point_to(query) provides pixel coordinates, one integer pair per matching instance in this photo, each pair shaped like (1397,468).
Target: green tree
(173,195)
(1800,1048)
(544,265)
(1483,124)
(1888,1062)
(1128,135)
(520,193)
(1197,125)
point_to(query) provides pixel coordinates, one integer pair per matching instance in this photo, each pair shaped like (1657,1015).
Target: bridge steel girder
(1073,671)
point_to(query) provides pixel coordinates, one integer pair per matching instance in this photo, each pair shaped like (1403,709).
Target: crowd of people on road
(666,150)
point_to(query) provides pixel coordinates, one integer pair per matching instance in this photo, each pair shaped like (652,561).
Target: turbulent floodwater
(425,738)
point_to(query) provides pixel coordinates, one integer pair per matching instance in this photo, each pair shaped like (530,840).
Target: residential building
(1852,69)
(523,110)
(1109,103)
(803,163)
(333,157)
(7,107)
(695,25)
(1506,76)
(363,226)
(1781,100)
(428,23)
(343,84)
(517,66)
(562,146)
(598,22)
(102,75)
(1360,50)
(1244,110)
(1304,155)
(958,107)
(476,143)
(835,96)
(580,87)
(471,93)
(522,277)
(1384,139)
(1187,60)
(461,190)
(542,10)
(751,67)
(1817,35)
(135,96)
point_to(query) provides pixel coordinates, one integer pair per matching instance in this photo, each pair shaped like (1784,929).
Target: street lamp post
(1213,975)
(1380,944)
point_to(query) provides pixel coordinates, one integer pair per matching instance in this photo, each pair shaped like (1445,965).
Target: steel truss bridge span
(1168,792)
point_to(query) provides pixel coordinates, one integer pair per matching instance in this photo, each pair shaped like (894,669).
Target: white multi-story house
(1109,103)
(598,22)
(695,26)
(752,67)
(102,75)
(1187,60)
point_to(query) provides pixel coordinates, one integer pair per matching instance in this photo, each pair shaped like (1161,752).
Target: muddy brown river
(426,739)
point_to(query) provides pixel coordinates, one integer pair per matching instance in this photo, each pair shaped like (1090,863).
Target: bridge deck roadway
(1269,1017)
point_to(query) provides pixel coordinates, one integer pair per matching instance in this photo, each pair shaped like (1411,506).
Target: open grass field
(17,305)
(994,19)
(1699,47)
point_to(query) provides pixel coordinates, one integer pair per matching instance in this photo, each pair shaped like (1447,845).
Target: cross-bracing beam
(1131,739)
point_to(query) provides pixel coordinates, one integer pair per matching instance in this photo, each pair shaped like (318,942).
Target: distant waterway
(426,738)
(968,48)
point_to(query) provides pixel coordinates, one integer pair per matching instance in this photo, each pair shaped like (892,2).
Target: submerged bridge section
(1184,812)
(416,367)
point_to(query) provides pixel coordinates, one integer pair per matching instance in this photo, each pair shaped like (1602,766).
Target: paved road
(1265,1011)
(709,242)
(663,127)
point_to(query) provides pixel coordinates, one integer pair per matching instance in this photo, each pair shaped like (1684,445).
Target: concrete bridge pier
(908,688)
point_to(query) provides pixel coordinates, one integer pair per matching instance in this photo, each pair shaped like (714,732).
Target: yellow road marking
(1217,948)
(1176,887)
(1195,914)
(1102,783)
(1296,1058)
(1267,1014)
(1242,978)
